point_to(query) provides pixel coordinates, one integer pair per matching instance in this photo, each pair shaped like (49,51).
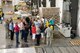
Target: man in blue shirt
(11,29)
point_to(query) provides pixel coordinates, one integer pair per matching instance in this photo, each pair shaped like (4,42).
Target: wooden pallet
(75,42)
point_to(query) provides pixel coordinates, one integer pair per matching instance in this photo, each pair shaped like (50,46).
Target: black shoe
(18,42)
(12,38)
(25,41)
(21,38)
(36,44)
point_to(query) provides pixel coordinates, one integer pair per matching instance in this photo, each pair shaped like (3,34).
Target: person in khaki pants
(49,35)
(6,25)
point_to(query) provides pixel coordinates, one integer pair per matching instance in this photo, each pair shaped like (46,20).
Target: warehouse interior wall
(78,20)
(59,3)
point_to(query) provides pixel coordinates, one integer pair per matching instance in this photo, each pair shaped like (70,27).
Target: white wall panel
(47,3)
(59,3)
(78,21)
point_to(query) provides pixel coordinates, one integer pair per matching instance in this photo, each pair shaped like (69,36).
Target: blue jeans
(25,36)
(17,37)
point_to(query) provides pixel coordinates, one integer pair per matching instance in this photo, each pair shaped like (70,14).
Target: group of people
(39,29)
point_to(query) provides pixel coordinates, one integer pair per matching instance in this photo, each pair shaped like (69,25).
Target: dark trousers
(25,36)
(0,21)
(38,37)
(22,33)
(12,34)
(53,26)
(30,33)
(17,37)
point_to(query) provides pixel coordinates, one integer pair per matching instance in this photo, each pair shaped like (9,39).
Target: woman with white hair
(49,34)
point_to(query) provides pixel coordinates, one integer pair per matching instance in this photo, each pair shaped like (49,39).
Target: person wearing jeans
(17,37)
(16,30)
(11,29)
(21,26)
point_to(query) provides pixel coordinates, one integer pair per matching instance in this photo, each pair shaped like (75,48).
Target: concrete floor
(2,37)
(60,44)
(58,40)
